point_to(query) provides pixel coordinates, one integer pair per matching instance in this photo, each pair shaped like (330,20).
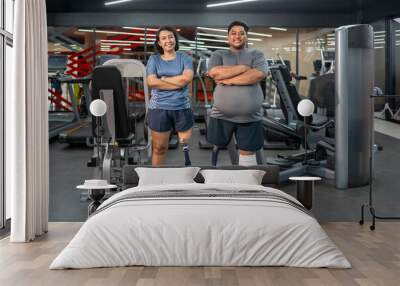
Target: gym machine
(117,140)
(353,112)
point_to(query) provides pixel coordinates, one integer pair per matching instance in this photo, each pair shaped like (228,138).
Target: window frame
(6,39)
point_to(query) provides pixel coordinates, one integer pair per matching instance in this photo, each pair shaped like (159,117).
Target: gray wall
(199,19)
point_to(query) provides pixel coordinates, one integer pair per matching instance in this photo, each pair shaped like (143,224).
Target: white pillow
(166,176)
(248,177)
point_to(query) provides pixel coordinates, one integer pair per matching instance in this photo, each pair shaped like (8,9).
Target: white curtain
(27,159)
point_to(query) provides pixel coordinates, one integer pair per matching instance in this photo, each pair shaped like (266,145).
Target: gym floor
(68,169)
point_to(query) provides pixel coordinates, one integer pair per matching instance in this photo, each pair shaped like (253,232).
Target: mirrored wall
(76,50)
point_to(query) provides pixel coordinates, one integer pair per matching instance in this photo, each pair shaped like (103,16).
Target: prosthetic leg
(214,156)
(185,149)
(234,156)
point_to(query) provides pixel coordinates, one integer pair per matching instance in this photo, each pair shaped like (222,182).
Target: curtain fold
(27,156)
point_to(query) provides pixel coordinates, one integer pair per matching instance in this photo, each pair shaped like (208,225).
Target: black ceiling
(292,12)
(270,6)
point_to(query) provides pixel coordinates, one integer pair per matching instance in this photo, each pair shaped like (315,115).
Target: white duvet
(200,231)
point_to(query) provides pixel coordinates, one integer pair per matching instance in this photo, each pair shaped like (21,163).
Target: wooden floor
(375,257)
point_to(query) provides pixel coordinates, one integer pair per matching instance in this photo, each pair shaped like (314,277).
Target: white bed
(183,230)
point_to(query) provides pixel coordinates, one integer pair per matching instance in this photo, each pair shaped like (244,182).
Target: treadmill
(80,134)
(62,110)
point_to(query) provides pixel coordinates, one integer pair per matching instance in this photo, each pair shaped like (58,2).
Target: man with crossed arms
(238,96)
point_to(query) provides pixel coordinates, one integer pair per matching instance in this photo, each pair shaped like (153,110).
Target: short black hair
(170,29)
(238,23)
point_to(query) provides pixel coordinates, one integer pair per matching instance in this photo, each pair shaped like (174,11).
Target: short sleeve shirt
(169,99)
(236,103)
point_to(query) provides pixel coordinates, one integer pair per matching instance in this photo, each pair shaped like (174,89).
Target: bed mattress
(201,225)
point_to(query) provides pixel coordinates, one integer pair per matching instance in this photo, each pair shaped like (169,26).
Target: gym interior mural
(75,51)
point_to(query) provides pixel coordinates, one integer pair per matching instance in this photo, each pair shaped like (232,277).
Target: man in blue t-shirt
(168,75)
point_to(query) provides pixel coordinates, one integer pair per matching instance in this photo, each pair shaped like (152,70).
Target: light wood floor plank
(374,255)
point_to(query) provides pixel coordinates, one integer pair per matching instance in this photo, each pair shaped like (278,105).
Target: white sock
(247,160)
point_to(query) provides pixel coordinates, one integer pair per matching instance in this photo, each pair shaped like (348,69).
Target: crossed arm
(236,75)
(170,83)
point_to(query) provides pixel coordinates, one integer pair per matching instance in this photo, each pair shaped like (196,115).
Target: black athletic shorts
(249,136)
(161,120)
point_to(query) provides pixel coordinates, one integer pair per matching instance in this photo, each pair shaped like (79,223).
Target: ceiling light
(212,29)
(140,29)
(225,36)
(229,3)
(225,31)
(183,48)
(121,44)
(260,34)
(203,46)
(278,29)
(211,47)
(126,42)
(147,40)
(115,32)
(212,40)
(212,35)
(191,42)
(114,44)
(116,2)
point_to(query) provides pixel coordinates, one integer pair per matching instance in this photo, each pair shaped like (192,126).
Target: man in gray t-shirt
(238,96)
